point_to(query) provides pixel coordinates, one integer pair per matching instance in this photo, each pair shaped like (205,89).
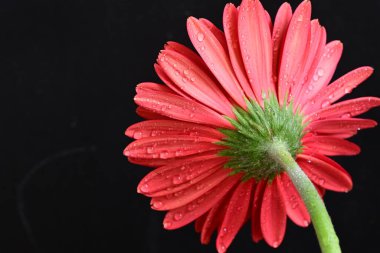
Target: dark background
(67,73)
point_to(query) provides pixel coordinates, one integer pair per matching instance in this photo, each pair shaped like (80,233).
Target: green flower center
(257,129)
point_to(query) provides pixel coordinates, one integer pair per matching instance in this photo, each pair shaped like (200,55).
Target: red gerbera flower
(209,128)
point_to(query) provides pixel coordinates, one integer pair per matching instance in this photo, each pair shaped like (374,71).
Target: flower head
(211,127)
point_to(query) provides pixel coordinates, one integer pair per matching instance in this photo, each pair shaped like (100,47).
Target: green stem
(324,229)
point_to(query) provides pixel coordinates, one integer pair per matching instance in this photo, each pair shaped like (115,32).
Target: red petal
(281,24)
(219,35)
(214,218)
(157,162)
(312,59)
(339,88)
(235,215)
(191,193)
(297,40)
(180,108)
(199,223)
(178,173)
(256,46)
(273,215)
(295,207)
(331,146)
(346,109)
(325,172)
(192,80)
(166,79)
(230,23)
(183,215)
(152,87)
(214,55)
(147,114)
(188,53)
(336,126)
(155,128)
(256,210)
(169,147)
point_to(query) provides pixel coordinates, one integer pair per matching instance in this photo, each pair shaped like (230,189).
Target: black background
(68,72)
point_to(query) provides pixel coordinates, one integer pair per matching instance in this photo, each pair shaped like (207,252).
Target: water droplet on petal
(200,200)
(275,244)
(346,115)
(222,247)
(177,179)
(157,204)
(149,150)
(144,188)
(305,222)
(191,207)
(320,72)
(347,90)
(325,104)
(178,216)
(200,37)
(137,135)
(167,224)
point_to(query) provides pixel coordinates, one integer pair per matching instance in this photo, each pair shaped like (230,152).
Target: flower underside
(257,129)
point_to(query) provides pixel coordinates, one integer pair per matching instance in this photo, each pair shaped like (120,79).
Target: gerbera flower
(224,129)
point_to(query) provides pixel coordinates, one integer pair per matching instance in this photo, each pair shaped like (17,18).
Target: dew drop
(315,77)
(177,179)
(200,200)
(325,104)
(178,216)
(275,244)
(157,204)
(320,72)
(321,181)
(177,194)
(224,230)
(186,72)
(137,135)
(305,223)
(346,115)
(200,186)
(164,155)
(178,153)
(167,224)
(191,207)
(144,188)
(149,150)
(347,90)
(200,37)
(222,247)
